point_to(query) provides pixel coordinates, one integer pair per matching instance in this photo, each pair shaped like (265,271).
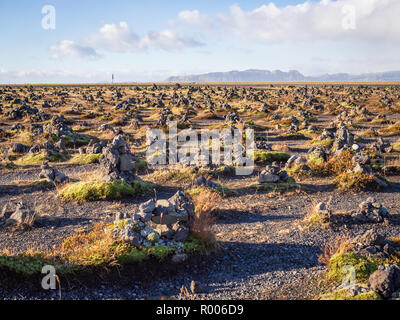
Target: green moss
(220,171)
(314,160)
(363,267)
(315,219)
(24,264)
(220,189)
(175,175)
(86,158)
(26,137)
(326,142)
(100,190)
(193,245)
(73,139)
(161,252)
(142,188)
(342,294)
(127,254)
(263,156)
(141,165)
(225,171)
(290,184)
(292,136)
(121,223)
(299,172)
(307,133)
(38,158)
(42,183)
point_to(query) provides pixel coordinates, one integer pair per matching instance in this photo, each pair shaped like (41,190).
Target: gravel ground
(263,252)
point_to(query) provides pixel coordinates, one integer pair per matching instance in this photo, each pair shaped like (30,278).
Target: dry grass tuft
(206,203)
(341,245)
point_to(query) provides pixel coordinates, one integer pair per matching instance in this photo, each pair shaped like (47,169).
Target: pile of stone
(47,147)
(51,174)
(21,215)
(105,127)
(161,222)
(344,139)
(20,112)
(263,145)
(326,134)
(19,148)
(273,174)
(95,147)
(293,128)
(370,211)
(386,280)
(381,146)
(361,164)
(319,152)
(117,161)
(163,121)
(295,161)
(232,117)
(58,126)
(204,182)
(373,245)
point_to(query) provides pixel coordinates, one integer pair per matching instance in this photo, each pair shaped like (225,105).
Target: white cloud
(194,17)
(120,38)
(375,21)
(71,76)
(71,48)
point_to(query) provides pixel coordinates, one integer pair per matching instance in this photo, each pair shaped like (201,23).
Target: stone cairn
(361,163)
(117,161)
(161,222)
(386,279)
(370,211)
(22,214)
(273,174)
(51,174)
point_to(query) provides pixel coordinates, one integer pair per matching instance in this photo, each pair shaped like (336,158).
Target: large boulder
(385,280)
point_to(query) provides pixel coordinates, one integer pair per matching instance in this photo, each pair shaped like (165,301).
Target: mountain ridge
(257,75)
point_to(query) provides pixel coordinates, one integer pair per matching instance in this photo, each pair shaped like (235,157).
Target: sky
(56,41)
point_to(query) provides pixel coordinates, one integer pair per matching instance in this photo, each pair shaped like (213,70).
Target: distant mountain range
(253,75)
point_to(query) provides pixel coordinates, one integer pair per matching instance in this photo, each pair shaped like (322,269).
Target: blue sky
(150,40)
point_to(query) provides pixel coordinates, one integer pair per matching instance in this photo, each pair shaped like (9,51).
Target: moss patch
(364,267)
(100,190)
(24,264)
(326,142)
(86,158)
(38,158)
(141,165)
(263,156)
(290,184)
(342,294)
(42,183)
